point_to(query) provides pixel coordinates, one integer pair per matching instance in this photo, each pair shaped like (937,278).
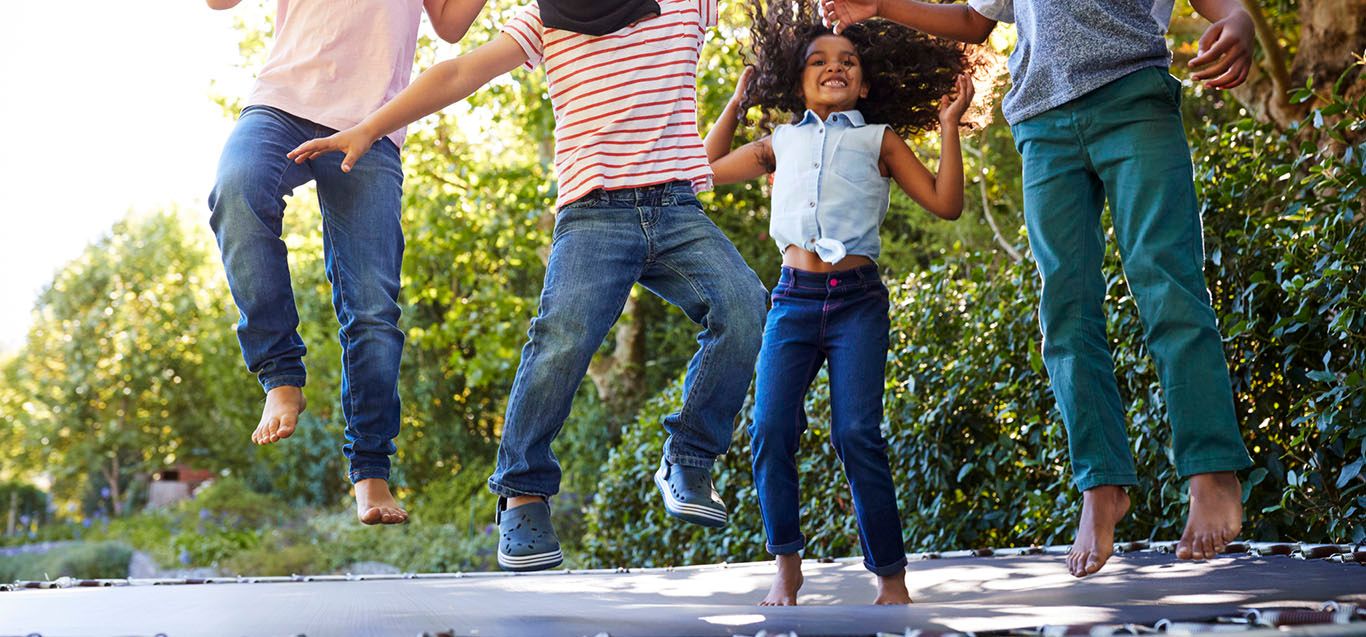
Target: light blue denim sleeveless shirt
(828,195)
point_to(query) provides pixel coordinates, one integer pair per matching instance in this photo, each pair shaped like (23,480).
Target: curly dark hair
(906,71)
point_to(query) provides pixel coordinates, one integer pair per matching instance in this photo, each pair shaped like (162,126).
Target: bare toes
(372,515)
(1183,550)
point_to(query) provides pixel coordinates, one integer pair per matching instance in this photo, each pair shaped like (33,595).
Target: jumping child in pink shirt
(331,65)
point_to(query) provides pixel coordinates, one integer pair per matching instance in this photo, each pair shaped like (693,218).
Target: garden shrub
(92,560)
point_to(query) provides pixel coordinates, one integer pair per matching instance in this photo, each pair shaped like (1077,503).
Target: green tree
(122,368)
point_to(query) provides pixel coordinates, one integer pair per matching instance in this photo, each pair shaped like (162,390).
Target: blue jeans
(1124,143)
(840,317)
(362,251)
(603,245)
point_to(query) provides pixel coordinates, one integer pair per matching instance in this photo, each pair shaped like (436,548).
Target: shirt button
(810,204)
(815,164)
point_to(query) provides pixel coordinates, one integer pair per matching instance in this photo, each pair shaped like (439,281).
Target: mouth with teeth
(835,82)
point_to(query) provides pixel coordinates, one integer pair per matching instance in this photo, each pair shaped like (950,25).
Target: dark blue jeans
(839,317)
(362,252)
(603,245)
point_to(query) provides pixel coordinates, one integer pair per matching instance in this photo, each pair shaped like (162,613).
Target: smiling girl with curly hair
(852,97)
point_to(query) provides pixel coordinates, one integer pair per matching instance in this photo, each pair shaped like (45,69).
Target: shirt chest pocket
(855,164)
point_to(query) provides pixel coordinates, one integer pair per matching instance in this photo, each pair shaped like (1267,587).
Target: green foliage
(975,441)
(26,503)
(291,559)
(101,560)
(1284,221)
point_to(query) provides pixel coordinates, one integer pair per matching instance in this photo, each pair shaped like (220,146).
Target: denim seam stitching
(346,344)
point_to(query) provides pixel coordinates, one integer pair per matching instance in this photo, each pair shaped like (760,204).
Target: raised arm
(942,193)
(746,162)
(219,5)
(436,88)
(954,21)
(1226,47)
(452,18)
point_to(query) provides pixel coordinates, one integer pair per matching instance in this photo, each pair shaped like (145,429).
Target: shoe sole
(534,562)
(694,513)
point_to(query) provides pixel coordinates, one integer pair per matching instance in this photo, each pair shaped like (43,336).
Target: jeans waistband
(862,276)
(665,194)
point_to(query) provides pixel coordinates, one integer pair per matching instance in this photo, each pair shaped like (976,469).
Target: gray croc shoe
(526,541)
(689,494)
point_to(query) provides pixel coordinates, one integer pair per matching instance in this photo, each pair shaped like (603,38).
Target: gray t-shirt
(1068,48)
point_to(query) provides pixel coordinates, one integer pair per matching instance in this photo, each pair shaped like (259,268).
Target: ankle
(1106,492)
(519,500)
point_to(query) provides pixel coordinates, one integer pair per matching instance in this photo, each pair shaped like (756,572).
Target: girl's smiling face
(832,75)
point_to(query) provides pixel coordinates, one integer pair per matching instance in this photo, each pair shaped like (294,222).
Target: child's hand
(353,141)
(1225,52)
(838,14)
(951,112)
(742,85)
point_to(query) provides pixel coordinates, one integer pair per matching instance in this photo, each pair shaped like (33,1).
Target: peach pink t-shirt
(336,61)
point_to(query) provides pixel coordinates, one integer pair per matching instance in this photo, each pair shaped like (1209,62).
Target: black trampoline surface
(954,594)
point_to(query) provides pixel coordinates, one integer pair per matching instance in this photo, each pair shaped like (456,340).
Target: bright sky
(106,108)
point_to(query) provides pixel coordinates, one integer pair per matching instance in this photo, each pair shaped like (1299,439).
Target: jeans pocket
(1168,86)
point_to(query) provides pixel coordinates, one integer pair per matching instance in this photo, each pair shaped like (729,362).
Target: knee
(741,316)
(862,440)
(369,309)
(237,194)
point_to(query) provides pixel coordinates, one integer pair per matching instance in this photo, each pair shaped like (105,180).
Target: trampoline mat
(968,594)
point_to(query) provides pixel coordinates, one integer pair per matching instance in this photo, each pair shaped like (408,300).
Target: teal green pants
(1124,143)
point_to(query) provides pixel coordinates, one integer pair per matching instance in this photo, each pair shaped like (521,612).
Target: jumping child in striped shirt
(629,161)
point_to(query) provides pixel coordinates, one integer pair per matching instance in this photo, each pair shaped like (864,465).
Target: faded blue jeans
(839,317)
(362,253)
(1123,143)
(603,245)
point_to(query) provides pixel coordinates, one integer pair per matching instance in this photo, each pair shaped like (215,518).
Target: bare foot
(1101,509)
(1216,515)
(891,589)
(786,583)
(375,505)
(281,415)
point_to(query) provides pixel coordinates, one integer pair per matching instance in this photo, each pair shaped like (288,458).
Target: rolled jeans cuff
(1094,480)
(514,492)
(698,462)
(290,380)
(370,473)
(787,548)
(1214,464)
(890,569)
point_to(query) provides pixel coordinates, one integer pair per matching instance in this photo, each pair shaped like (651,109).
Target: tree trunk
(1332,32)
(111,475)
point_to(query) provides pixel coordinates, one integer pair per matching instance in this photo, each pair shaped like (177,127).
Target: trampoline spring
(1130,547)
(983,552)
(1306,617)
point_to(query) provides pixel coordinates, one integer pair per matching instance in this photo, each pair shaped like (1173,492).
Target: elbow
(950,213)
(454,34)
(220,5)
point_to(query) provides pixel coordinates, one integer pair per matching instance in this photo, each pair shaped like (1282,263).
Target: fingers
(350,160)
(1207,40)
(308,150)
(1233,77)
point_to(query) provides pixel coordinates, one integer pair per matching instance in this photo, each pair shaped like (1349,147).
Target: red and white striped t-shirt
(625,103)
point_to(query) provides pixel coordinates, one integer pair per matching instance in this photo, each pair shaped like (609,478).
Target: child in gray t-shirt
(1096,117)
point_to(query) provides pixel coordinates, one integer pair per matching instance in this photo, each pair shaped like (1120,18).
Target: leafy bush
(291,559)
(976,443)
(98,560)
